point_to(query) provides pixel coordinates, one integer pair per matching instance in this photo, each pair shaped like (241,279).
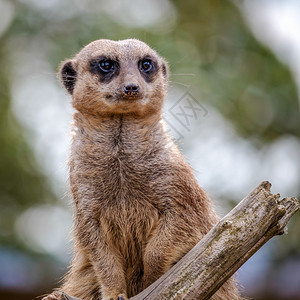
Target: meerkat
(138,207)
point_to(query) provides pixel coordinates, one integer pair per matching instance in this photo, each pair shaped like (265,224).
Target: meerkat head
(116,77)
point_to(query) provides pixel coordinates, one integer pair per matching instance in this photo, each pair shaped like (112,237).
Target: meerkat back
(138,208)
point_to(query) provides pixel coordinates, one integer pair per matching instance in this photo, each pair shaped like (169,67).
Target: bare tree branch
(232,241)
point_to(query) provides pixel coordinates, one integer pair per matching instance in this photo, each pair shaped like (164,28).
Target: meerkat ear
(68,75)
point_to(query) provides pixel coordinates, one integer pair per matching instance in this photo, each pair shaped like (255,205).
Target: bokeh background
(237,62)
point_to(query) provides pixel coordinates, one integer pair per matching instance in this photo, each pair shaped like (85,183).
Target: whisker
(183,74)
(185,85)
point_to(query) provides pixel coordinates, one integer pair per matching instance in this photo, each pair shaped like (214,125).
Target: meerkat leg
(166,246)
(81,280)
(109,271)
(110,274)
(106,262)
(101,279)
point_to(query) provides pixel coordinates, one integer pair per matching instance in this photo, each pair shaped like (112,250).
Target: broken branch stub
(256,219)
(232,241)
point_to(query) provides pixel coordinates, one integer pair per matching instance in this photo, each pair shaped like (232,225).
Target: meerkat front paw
(60,296)
(119,297)
(54,296)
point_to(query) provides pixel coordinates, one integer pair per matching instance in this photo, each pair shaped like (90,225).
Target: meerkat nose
(131,89)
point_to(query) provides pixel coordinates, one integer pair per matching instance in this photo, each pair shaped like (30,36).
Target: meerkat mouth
(131,97)
(122,97)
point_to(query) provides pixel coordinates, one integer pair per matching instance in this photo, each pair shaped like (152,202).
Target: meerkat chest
(118,193)
(111,176)
(120,183)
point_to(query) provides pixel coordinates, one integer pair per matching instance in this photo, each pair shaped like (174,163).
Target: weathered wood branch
(232,241)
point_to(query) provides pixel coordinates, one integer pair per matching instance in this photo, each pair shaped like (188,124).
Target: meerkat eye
(146,65)
(107,65)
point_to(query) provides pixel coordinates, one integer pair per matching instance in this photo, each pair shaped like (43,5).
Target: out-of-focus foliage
(243,79)
(208,47)
(21,182)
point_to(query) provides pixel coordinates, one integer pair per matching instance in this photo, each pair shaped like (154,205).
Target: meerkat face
(108,77)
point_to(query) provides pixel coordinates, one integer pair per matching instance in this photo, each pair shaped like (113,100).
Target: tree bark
(232,241)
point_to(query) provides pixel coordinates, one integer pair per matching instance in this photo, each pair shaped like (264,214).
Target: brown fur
(138,207)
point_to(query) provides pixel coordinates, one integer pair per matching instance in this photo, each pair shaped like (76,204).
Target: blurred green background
(237,60)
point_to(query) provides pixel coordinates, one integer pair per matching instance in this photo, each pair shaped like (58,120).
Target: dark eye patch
(105,67)
(148,68)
